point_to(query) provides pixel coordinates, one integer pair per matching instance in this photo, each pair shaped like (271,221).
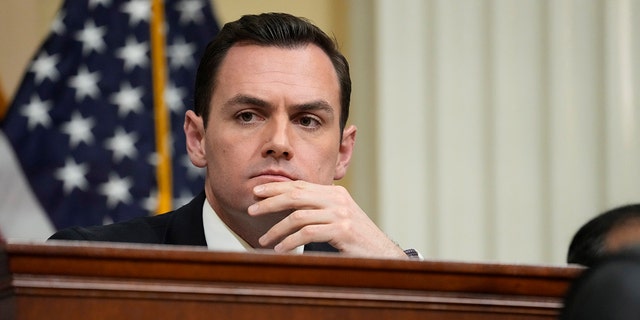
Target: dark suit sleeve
(70,234)
(138,230)
(180,227)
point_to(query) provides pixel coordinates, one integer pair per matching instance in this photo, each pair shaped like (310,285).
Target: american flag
(82,122)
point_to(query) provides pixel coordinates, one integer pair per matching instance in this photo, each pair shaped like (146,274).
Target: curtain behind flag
(82,121)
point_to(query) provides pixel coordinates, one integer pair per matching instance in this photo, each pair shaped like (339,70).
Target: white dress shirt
(220,237)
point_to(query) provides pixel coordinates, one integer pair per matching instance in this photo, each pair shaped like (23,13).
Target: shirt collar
(220,237)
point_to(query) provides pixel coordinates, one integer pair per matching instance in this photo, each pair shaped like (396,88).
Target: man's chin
(275,216)
(267,221)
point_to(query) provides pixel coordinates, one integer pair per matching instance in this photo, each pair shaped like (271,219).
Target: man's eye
(246,116)
(309,122)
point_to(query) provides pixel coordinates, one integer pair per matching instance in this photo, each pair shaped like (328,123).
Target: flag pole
(161,116)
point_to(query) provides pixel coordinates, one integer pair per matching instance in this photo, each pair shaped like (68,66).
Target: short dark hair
(267,29)
(589,242)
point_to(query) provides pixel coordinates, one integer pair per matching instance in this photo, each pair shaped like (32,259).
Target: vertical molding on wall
(546,156)
(562,107)
(518,120)
(460,120)
(622,103)
(339,15)
(402,121)
(575,100)
(490,184)
(364,177)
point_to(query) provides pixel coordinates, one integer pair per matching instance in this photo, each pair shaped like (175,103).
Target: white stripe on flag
(21,217)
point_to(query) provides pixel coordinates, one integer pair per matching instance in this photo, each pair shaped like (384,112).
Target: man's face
(274,116)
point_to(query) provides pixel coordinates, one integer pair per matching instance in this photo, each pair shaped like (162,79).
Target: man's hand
(320,213)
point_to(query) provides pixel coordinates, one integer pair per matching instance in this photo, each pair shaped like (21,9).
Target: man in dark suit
(609,289)
(270,126)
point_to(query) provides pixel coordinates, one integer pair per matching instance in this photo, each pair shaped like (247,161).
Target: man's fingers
(281,196)
(274,188)
(309,233)
(293,223)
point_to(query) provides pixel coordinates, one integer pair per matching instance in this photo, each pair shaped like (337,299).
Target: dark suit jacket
(180,227)
(610,289)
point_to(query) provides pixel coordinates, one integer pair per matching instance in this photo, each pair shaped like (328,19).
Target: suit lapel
(185,227)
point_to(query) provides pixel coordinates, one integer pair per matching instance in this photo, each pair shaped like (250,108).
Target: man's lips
(273,175)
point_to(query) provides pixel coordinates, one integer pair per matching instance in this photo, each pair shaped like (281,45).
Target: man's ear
(346,150)
(194,132)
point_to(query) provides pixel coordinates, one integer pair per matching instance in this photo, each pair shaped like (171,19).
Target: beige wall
(23,26)
(323,13)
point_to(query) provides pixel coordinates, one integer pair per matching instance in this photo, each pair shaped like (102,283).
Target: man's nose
(278,145)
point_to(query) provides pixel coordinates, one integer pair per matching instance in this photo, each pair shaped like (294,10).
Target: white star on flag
(134,54)
(94,3)
(117,190)
(58,26)
(37,112)
(174,98)
(85,83)
(122,144)
(128,99)
(190,11)
(44,67)
(72,176)
(181,53)
(138,11)
(91,38)
(79,129)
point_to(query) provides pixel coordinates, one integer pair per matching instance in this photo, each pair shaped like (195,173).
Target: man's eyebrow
(243,99)
(317,105)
